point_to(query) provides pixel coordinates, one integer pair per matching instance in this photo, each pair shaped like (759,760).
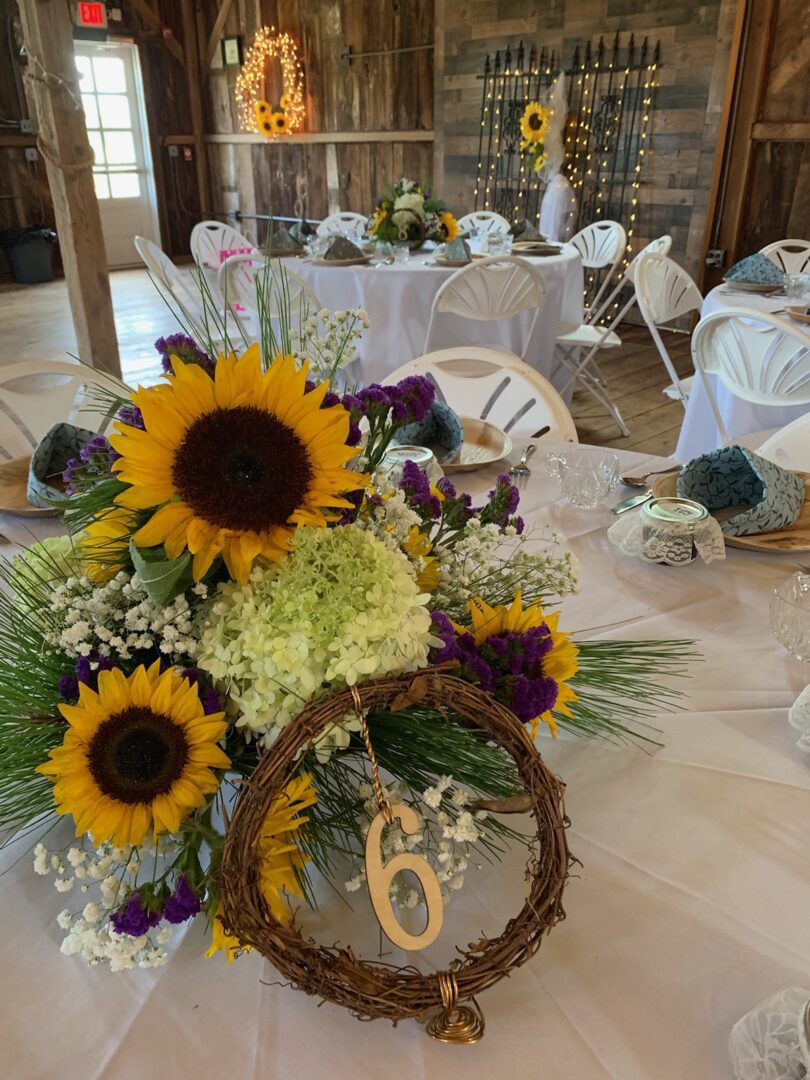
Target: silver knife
(633,501)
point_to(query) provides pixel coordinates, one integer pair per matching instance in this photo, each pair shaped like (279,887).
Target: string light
(250,82)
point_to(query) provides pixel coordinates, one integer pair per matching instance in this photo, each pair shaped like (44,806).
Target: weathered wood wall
(695,37)
(388,93)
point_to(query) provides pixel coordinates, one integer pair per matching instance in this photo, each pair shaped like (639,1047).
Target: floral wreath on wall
(256,113)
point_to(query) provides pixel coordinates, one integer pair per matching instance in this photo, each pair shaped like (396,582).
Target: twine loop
(379,794)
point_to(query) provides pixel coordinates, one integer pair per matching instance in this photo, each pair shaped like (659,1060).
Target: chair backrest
(210,238)
(662,245)
(495,385)
(178,291)
(36,394)
(664,290)
(600,244)
(498,287)
(791,256)
(756,355)
(790,446)
(344,223)
(243,277)
(485,221)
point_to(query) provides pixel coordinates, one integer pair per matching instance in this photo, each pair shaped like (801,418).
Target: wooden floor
(35,324)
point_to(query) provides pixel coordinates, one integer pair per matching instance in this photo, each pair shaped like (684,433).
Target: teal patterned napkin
(756,270)
(49,460)
(735,476)
(441,430)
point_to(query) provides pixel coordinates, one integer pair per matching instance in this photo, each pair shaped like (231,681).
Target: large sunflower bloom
(232,462)
(280,857)
(534,122)
(105,542)
(559,664)
(448,226)
(137,755)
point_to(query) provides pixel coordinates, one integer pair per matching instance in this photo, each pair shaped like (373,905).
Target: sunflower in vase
(534,127)
(409,214)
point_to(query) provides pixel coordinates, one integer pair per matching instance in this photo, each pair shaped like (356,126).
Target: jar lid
(683,511)
(398,455)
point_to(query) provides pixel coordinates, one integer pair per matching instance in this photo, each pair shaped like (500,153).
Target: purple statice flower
(503,502)
(412,399)
(372,398)
(446,487)
(530,698)
(443,628)
(185,348)
(93,464)
(183,904)
(132,416)
(133,918)
(416,485)
(210,701)
(88,674)
(69,687)
(70,477)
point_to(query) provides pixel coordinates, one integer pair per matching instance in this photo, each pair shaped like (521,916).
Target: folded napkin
(284,241)
(772,497)
(524,230)
(49,460)
(441,431)
(457,250)
(301,231)
(340,248)
(756,270)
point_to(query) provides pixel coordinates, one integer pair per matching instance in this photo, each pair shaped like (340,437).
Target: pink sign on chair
(225,253)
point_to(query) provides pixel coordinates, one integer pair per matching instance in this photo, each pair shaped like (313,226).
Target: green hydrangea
(46,562)
(342,608)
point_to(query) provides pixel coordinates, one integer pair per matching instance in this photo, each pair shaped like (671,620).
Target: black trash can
(30,252)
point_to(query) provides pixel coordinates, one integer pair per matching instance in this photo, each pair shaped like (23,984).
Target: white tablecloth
(691,904)
(398,300)
(699,432)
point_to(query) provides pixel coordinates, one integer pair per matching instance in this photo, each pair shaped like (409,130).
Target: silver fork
(521,471)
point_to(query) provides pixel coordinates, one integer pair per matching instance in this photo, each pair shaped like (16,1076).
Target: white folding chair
(36,394)
(344,223)
(666,292)
(485,221)
(242,278)
(601,246)
(491,289)
(600,333)
(791,256)
(757,357)
(209,239)
(494,385)
(182,296)
(790,446)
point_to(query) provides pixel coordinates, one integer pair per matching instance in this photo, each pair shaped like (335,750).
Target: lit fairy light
(250,82)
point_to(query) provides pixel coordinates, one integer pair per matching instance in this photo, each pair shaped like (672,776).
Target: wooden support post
(192,54)
(63,142)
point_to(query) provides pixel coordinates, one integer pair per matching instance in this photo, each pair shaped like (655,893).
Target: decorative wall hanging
(271,107)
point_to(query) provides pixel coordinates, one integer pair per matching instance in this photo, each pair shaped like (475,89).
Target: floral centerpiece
(408,213)
(236,549)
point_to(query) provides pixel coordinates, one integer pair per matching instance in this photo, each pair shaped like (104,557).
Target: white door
(112,95)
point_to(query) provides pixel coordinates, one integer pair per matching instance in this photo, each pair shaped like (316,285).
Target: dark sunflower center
(137,755)
(242,469)
(534,122)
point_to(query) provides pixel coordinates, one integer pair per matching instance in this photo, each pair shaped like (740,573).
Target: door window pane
(90,110)
(97,145)
(85,71)
(125,185)
(102,186)
(114,110)
(120,147)
(109,74)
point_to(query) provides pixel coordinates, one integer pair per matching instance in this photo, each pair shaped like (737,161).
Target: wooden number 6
(379,878)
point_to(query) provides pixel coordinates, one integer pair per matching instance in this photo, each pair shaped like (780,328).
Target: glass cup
(500,243)
(401,251)
(586,476)
(790,615)
(795,286)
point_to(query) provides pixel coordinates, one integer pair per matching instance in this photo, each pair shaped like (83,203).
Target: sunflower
(281,858)
(418,546)
(266,127)
(534,122)
(262,109)
(559,663)
(222,940)
(232,462)
(279,122)
(285,103)
(448,226)
(106,541)
(139,754)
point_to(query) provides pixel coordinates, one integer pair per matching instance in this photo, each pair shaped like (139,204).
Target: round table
(699,431)
(398,299)
(689,908)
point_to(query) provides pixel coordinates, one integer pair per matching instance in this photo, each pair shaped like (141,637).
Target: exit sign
(91,14)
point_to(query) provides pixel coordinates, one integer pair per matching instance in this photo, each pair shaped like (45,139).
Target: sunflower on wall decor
(275,116)
(534,127)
